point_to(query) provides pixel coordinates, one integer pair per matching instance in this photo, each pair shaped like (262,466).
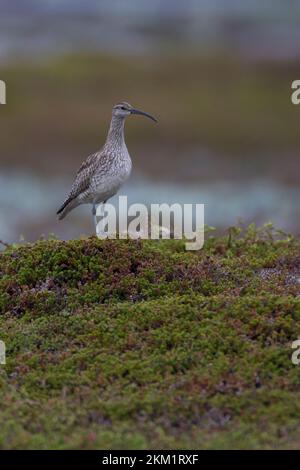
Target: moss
(131,344)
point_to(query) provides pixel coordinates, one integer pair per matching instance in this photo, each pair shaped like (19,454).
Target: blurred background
(216,73)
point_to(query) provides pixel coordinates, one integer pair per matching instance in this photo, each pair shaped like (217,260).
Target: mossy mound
(131,344)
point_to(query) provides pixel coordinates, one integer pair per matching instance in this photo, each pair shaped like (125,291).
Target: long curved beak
(137,111)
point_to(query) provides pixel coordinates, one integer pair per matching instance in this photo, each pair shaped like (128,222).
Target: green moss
(131,344)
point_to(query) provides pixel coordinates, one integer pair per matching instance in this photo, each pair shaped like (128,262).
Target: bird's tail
(67,206)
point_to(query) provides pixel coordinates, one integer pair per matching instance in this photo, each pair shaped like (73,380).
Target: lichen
(140,344)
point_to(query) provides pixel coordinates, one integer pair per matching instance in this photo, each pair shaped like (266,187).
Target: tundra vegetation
(141,344)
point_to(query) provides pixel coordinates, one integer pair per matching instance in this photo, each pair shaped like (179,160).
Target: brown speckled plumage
(102,174)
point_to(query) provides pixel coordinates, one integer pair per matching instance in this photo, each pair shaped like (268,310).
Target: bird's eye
(123,107)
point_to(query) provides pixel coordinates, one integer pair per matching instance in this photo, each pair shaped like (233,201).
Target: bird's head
(124,109)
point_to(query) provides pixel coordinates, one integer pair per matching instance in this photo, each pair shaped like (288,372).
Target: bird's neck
(116,132)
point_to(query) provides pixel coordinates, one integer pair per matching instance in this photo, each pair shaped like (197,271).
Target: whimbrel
(102,174)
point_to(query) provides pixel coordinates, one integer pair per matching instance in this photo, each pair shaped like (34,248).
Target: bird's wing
(82,179)
(83,176)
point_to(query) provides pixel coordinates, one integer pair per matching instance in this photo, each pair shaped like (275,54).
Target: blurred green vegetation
(129,344)
(62,107)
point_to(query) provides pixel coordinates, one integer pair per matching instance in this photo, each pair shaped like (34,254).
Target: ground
(141,344)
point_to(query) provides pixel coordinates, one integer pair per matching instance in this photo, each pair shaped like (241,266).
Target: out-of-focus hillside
(219,117)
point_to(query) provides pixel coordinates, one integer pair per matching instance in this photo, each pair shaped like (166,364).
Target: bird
(102,174)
